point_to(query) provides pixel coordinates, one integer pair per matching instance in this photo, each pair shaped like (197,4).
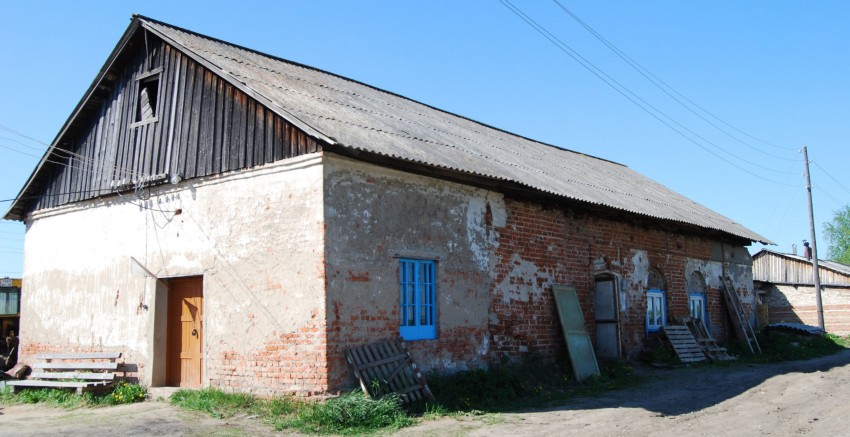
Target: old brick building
(228,218)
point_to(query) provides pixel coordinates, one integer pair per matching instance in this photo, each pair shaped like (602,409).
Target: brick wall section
(292,363)
(539,247)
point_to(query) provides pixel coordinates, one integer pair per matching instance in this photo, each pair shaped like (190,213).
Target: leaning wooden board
(579,346)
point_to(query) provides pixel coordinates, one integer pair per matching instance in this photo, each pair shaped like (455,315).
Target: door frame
(198,329)
(615,291)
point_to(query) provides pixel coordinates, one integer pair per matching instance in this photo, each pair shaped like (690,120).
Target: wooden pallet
(684,343)
(385,367)
(742,326)
(709,345)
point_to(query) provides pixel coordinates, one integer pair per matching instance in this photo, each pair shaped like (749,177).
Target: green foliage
(126,393)
(661,354)
(123,393)
(48,396)
(779,346)
(349,414)
(837,233)
(213,401)
(531,382)
(477,389)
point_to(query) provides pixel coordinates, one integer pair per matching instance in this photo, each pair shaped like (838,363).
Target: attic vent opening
(148,97)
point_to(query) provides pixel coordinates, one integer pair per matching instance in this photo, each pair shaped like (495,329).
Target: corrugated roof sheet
(361,117)
(822,263)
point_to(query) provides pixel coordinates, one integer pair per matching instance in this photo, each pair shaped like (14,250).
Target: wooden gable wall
(204,125)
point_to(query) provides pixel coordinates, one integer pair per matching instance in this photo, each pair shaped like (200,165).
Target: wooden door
(185,332)
(607,320)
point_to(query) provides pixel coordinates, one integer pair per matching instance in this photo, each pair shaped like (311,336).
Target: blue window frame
(656,310)
(417,283)
(696,306)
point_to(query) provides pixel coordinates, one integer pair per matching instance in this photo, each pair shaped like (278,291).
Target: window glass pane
(3,306)
(411,305)
(13,305)
(418,294)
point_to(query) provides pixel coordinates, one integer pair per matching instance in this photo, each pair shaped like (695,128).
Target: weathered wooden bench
(91,371)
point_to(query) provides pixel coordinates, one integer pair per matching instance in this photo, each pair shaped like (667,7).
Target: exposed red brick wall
(291,363)
(563,246)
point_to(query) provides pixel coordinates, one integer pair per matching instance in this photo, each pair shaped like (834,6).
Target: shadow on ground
(686,390)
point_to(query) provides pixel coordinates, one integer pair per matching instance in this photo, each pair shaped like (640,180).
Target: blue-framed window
(417,283)
(696,306)
(656,310)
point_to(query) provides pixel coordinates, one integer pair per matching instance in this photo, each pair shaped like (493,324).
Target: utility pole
(815,269)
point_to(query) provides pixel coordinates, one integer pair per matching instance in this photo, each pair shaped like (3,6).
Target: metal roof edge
(330,73)
(265,101)
(803,259)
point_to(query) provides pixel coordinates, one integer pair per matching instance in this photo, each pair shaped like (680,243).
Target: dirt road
(803,397)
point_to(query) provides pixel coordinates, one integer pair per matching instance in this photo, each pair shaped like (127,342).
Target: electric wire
(784,195)
(80,157)
(85,167)
(829,196)
(622,90)
(830,176)
(669,90)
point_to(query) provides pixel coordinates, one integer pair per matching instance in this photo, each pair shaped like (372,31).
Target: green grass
(779,346)
(352,413)
(531,383)
(122,393)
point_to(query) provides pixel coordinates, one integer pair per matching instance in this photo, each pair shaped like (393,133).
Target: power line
(822,191)
(622,90)
(830,176)
(663,86)
(10,130)
(81,158)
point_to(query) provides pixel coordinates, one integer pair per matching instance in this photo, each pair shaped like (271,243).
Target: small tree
(837,233)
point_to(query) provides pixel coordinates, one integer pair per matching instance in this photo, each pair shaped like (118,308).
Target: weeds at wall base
(122,393)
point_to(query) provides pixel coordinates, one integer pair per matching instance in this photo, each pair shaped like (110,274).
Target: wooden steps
(709,345)
(684,344)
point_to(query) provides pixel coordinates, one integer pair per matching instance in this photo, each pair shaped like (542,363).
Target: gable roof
(842,269)
(353,116)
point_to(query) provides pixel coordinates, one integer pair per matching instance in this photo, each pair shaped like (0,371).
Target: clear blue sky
(777,70)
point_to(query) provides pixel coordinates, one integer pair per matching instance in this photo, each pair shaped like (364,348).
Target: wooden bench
(83,372)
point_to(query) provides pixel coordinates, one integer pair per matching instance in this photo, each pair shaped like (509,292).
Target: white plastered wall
(255,236)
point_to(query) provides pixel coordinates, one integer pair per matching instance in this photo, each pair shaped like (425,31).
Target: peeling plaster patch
(521,283)
(640,264)
(710,270)
(484,345)
(476,231)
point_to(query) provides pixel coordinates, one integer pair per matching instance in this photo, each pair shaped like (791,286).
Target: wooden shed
(786,285)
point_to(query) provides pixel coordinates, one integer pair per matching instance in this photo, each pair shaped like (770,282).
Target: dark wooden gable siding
(203,126)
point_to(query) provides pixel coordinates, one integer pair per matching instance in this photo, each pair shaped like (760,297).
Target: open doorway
(607,317)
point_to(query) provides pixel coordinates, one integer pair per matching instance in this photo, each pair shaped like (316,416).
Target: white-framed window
(697,301)
(656,310)
(696,305)
(417,283)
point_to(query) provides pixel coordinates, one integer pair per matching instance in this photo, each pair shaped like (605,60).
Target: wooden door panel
(185,333)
